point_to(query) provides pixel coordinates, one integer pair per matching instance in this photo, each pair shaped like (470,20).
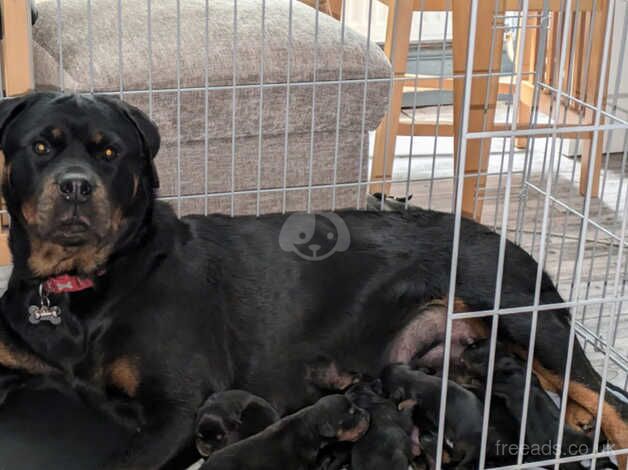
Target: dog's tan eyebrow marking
(56,132)
(98,137)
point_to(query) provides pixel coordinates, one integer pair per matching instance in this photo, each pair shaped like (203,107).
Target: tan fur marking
(330,377)
(578,417)
(56,132)
(136,185)
(352,435)
(29,212)
(98,137)
(406,404)
(48,258)
(22,361)
(614,427)
(124,374)
(6,174)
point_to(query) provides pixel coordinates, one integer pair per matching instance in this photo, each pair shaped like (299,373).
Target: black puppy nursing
(160,313)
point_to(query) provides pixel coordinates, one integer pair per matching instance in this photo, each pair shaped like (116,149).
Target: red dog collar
(66,283)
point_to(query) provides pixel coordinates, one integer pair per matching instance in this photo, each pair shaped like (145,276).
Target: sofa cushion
(119,57)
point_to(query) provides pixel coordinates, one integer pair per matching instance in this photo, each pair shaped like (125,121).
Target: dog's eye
(109,153)
(41,148)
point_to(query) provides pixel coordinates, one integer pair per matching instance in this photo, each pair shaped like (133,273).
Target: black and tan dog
(147,314)
(230,416)
(387,443)
(421,391)
(295,441)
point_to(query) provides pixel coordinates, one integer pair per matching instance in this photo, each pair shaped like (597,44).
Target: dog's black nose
(75,186)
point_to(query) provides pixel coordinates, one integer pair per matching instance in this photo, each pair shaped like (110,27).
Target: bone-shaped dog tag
(44,313)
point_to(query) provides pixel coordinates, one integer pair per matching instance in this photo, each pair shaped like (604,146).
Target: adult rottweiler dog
(147,314)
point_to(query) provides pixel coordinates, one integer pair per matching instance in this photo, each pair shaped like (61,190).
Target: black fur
(387,442)
(184,308)
(295,441)
(230,416)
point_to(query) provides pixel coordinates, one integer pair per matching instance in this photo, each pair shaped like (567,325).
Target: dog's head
(338,418)
(78,177)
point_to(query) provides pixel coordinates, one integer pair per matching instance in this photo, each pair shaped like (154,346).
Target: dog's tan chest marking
(124,374)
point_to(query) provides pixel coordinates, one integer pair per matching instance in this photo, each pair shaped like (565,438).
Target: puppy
(543,415)
(230,416)
(387,443)
(294,441)
(422,391)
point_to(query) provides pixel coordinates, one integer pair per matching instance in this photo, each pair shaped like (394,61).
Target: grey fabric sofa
(81,49)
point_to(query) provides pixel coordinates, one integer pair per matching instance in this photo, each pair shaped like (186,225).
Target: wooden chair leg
(396,48)
(593,82)
(336,8)
(478,151)
(527,63)
(17,73)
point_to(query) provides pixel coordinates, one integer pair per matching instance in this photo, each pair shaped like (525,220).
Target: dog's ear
(326,430)
(377,387)
(398,395)
(9,109)
(147,129)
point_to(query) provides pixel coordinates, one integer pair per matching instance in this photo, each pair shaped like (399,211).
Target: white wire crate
(531,196)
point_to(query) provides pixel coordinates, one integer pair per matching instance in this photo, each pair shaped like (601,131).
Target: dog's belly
(422,341)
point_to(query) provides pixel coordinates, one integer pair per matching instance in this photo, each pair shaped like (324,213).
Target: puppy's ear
(9,109)
(326,430)
(377,387)
(147,129)
(398,395)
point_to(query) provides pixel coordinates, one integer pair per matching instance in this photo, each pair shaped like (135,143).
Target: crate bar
(543,242)
(234,102)
(364,100)
(358,81)
(313,122)
(600,99)
(284,179)
(121,54)
(546,131)
(441,79)
(149,50)
(572,210)
(485,114)
(462,152)
(588,105)
(260,130)
(502,242)
(585,221)
(60,45)
(414,95)
(391,89)
(529,155)
(339,103)
(178,78)
(90,45)
(577,458)
(206,111)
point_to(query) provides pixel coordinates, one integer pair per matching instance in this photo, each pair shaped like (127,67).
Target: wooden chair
(484,90)
(17,76)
